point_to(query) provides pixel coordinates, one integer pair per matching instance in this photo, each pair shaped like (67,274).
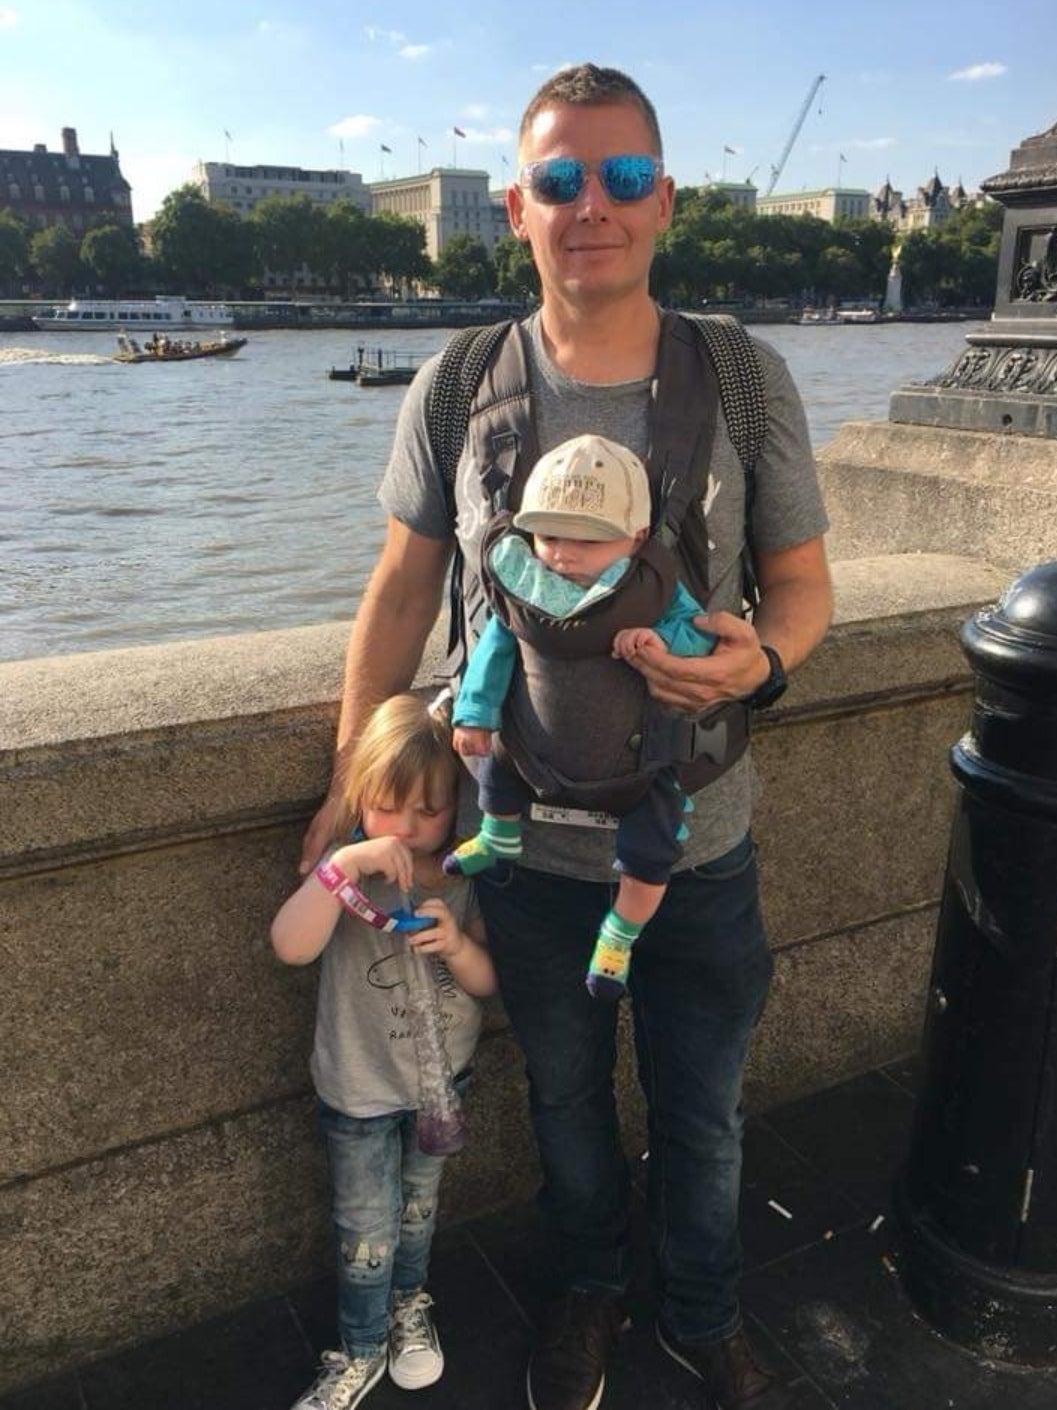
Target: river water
(140,505)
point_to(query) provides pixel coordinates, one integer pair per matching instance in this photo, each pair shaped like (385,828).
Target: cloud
(860,144)
(414,51)
(287,35)
(8,17)
(490,135)
(393,36)
(477,112)
(975,72)
(360,125)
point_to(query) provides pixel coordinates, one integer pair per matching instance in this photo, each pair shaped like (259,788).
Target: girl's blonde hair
(406,741)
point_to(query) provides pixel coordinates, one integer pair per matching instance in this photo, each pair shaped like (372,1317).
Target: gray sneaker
(343,1381)
(415,1357)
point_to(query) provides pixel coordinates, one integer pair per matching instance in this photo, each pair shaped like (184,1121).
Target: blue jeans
(385,1208)
(699,977)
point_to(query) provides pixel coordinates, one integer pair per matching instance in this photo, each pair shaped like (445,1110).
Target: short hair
(587,85)
(405,742)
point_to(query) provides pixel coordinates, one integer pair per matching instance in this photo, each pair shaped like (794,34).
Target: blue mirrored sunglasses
(559,180)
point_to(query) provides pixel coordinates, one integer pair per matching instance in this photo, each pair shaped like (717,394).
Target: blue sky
(319,83)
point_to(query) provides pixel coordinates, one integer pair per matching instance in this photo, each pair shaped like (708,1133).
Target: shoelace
(411,1327)
(336,1367)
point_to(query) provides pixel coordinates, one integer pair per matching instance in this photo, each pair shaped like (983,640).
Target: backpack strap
(742,393)
(459,372)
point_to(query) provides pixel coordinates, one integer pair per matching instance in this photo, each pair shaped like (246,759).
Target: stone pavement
(821,1299)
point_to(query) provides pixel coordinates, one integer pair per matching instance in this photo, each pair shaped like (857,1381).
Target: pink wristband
(331,877)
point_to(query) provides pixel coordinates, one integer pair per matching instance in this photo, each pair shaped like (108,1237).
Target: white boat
(858,315)
(98,315)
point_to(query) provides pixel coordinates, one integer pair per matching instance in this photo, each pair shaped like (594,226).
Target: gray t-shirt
(787,510)
(363,1061)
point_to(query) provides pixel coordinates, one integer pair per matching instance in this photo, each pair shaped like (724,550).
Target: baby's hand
(444,938)
(471,741)
(378,856)
(631,640)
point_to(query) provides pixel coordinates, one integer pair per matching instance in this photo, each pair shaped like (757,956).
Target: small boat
(167,350)
(378,367)
(96,315)
(862,314)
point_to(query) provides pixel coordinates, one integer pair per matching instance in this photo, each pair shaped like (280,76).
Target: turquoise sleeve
(676,628)
(489,672)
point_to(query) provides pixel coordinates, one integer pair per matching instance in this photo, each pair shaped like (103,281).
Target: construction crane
(776,171)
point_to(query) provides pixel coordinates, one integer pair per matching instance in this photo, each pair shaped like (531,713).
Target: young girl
(400,799)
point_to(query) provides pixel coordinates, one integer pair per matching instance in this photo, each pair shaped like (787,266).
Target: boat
(386,376)
(815,317)
(166,313)
(858,314)
(164,350)
(378,367)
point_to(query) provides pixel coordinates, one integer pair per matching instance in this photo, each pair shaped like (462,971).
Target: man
(702,965)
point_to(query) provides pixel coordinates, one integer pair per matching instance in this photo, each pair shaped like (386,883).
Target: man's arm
(394,619)
(796,604)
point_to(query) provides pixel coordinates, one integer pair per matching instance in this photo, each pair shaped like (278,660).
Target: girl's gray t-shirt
(787,510)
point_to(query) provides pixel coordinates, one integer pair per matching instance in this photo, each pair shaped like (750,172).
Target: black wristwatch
(774,687)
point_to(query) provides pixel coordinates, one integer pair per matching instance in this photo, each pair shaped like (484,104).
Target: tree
(399,251)
(288,235)
(516,274)
(14,251)
(463,269)
(110,255)
(56,256)
(199,248)
(346,247)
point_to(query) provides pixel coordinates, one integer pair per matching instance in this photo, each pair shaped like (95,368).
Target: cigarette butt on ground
(877,1224)
(779,1209)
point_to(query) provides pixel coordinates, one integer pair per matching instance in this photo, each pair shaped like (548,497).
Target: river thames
(146,503)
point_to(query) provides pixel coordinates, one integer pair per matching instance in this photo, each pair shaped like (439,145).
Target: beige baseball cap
(586,488)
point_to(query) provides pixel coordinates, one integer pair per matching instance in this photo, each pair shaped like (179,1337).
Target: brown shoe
(733,1378)
(567,1369)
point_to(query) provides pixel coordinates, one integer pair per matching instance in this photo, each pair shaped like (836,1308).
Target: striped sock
(498,838)
(607,974)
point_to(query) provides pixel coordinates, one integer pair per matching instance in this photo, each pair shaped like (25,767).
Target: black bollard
(977,1202)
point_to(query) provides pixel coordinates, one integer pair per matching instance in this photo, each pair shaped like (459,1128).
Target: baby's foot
(607,974)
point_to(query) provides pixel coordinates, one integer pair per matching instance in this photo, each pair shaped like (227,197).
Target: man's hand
(321,832)
(470,741)
(689,684)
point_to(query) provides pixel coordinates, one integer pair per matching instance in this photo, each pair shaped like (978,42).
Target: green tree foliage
(347,243)
(516,274)
(957,263)
(200,248)
(399,254)
(288,235)
(14,252)
(464,270)
(55,254)
(111,258)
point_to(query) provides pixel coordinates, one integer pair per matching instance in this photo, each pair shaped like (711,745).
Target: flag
(731,150)
(387,149)
(842,156)
(227,134)
(422,142)
(458,132)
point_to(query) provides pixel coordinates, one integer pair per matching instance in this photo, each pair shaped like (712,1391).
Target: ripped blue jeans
(384,1193)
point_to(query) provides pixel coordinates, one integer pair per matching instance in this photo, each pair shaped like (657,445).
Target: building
(739,193)
(830,203)
(43,188)
(242,187)
(447,201)
(928,209)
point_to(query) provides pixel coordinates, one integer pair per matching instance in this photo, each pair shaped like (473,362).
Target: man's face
(594,249)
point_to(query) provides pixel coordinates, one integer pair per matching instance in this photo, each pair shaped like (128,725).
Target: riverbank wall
(157,1146)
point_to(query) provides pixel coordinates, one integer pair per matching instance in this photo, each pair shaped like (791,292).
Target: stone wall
(157,1155)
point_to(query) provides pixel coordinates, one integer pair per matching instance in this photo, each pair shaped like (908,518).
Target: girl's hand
(445,938)
(629,641)
(378,856)
(471,741)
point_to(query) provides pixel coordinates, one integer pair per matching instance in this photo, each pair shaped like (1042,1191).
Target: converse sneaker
(415,1357)
(343,1381)
(567,1369)
(731,1374)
